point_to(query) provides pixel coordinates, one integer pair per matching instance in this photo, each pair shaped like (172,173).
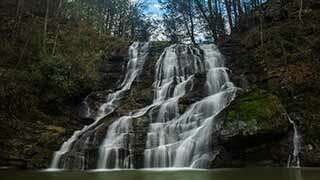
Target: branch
(300,11)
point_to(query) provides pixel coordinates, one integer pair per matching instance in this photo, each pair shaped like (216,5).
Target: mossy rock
(255,112)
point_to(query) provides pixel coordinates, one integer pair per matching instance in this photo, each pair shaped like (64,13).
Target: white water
(137,56)
(294,159)
(176,140)
(111,149)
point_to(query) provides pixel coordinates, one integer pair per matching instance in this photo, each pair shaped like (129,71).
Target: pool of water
(169,174)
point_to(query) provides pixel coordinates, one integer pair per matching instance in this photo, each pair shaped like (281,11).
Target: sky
(154,8)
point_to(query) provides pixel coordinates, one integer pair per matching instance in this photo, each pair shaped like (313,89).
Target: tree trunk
(57,14)
(19,10)
(235,12)
(212,26)
(300,11)
(186,24)
(240,12)
(192,29)
(107,30)
(59,9)
(216,7)
(45,26)
(229,13)
(261,23)
(210,8)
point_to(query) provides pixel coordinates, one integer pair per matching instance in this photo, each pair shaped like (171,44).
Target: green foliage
(16,92)
(120,18)
(38,77)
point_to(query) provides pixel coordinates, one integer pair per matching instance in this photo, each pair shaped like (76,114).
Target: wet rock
(255,112)
(252,129)
(139,135)
(197,93)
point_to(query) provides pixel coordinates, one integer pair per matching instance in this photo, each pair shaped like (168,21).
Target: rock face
(253,112)
(254,131)
(279,75)
(28,142)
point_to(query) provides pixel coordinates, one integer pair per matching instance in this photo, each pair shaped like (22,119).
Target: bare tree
(300,11)
(229,13)
(45,25)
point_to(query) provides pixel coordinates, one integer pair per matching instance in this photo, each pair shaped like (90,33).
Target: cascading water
(137,55)
(176,140)
(116,152)
(294,159)
(172,138)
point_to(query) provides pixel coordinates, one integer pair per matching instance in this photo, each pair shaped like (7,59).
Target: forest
(52,49)
(43,42)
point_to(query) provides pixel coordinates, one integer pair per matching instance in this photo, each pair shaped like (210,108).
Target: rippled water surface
(160,174)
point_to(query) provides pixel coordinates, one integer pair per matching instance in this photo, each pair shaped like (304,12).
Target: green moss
(260,108)
(255,111)
(232,115)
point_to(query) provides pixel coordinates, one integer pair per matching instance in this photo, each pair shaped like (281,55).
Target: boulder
(254,131)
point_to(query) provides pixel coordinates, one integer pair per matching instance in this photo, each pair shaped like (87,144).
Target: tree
(210,13)
(180,13)
(219,18)
(229,13)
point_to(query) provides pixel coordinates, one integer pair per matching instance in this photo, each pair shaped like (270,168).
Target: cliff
(278,76)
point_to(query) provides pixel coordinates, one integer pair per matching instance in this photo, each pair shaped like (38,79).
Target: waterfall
(137,55)
(172,138)
(294,159)
(169,62)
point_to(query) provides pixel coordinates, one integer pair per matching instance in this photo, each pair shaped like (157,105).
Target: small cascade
(294,159)
(115,150)
(65,148)
(137,56)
